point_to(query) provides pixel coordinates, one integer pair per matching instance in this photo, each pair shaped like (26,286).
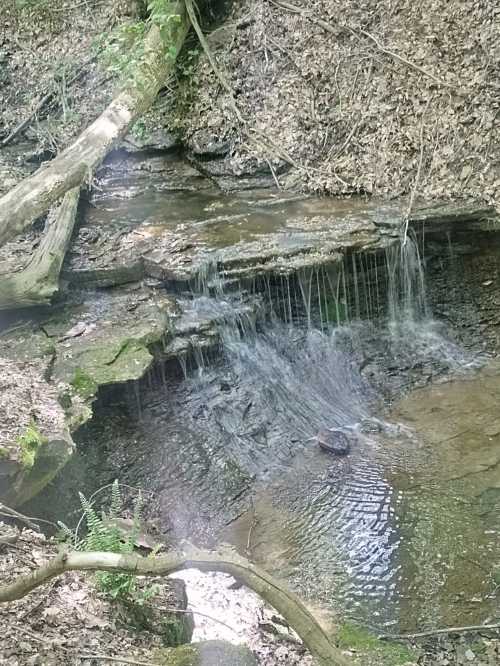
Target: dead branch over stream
(71,168)
(272,591)
(39,280)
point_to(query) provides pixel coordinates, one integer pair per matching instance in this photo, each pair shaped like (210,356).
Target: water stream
(403,532)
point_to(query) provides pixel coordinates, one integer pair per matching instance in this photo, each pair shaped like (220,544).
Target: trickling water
(327,348)
(406,283)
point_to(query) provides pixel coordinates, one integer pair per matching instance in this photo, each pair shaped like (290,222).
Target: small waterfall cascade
(406,293)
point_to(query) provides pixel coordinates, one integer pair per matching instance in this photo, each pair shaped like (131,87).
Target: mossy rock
(39,464)
(29,442)
(370,650)
(206,653)
(173,628)
(83,384)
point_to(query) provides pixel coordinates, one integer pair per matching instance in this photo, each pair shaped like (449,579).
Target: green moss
(4,453)
(206,653)
(478,647)
(29,443)
(83,384)
(372,649)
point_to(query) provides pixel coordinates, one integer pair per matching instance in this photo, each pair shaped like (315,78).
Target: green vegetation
(121,49)
(104,534)
(83,384)
(139,130)
(29,443)
(372,649)
(4,453)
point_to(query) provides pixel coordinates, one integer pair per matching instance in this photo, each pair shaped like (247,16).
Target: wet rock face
(334,441)
(158,140)
(51,370)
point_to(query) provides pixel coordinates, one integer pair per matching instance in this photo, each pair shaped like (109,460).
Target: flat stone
(206,653)
(160,140)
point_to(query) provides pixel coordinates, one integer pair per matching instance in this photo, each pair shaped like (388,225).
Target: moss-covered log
(39,280)
(271,590)
(71,168)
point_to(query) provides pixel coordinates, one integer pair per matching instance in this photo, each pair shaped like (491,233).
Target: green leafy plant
(139,130)
(121,49)
(29,443)
(105,534)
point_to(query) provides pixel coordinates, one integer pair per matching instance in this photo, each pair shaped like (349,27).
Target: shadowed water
(382,534)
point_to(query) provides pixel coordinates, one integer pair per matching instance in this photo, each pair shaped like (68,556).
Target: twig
(346,142)
(406,219)
(225,560)
(121,660)
(409,63)
(329,28)
(190,8)
(209,617)
(253,524)
(27,520)
(273,173)
(41,639)
(265,142)
(436,632)
(41,104)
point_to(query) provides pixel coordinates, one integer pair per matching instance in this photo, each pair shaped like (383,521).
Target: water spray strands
(406,282)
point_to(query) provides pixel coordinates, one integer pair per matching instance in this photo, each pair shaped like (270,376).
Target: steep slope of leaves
(351,116)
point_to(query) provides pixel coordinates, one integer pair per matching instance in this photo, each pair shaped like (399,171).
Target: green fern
(116,506)
(104,534)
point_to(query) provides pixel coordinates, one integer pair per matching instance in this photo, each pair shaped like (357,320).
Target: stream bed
(401,533)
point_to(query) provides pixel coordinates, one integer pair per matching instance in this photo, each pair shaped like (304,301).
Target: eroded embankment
(341,97)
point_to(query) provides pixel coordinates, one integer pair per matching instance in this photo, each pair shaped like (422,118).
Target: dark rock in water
(371,426)
(333,441)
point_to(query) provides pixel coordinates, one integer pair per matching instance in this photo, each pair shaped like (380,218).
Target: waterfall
(406,297)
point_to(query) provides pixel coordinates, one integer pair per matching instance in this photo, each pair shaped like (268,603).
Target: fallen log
(39,280)
(271,590)
(71,168)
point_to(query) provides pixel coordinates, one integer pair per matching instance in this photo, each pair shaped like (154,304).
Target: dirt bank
(353,96)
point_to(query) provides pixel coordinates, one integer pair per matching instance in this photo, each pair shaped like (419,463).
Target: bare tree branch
(227,561)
